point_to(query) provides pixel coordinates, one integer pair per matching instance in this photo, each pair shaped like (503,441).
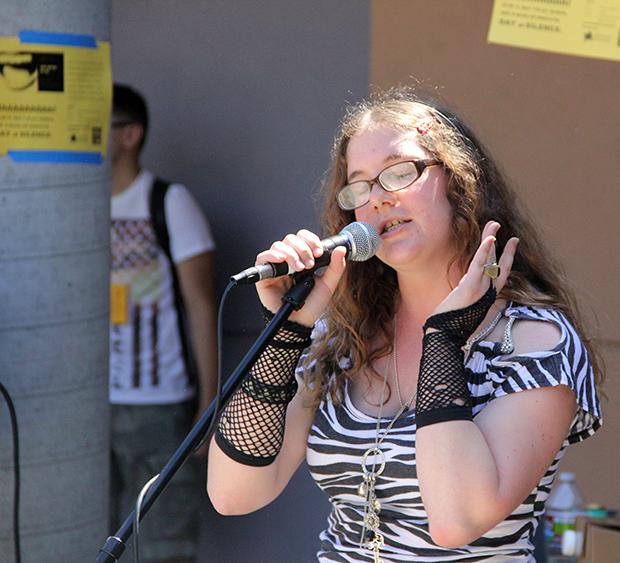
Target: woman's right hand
(299,252)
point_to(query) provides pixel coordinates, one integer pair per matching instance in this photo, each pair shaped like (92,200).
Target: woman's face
(415,223)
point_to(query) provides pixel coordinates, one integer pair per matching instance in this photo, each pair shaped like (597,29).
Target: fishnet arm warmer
(442,390)
(251,427)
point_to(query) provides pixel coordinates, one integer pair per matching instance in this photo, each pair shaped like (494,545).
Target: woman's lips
(393,226)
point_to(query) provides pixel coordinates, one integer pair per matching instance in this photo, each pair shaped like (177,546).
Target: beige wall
(553,122)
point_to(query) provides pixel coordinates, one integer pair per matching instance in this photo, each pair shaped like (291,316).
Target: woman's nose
(379,196)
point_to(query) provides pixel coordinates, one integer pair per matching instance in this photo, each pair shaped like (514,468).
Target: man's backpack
(160,226)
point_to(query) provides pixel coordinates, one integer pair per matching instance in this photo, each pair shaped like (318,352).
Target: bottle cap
(572,543)
(595,510)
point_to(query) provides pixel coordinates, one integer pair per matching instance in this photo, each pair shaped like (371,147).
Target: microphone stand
(293,299)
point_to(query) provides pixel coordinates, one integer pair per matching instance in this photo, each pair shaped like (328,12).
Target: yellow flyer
(588,28)
(55,97)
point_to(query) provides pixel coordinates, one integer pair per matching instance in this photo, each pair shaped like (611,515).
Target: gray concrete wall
(245,97)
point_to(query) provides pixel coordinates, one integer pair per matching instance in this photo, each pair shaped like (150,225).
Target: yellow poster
(55,97)
(588,28)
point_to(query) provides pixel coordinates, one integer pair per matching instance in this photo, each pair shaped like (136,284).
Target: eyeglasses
(121,123)
(393,178)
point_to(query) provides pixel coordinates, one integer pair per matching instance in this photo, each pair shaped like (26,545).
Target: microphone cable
(220,355)
(16,482)
(217,399)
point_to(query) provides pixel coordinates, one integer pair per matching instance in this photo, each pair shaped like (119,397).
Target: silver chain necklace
(394,356)
(507,346)
(366,489)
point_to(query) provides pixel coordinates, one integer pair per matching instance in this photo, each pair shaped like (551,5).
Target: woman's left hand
(475,282)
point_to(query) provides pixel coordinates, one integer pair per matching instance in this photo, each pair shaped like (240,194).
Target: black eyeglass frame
(420,166)
(123,123)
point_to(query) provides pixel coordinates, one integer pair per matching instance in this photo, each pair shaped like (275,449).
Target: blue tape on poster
(50,38)
(57,157)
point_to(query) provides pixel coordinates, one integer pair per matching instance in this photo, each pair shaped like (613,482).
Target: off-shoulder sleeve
(566,364)
(549,369)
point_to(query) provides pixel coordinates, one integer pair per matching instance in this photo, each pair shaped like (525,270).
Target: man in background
(162,362)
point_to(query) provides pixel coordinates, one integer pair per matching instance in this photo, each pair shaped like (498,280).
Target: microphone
(359,238)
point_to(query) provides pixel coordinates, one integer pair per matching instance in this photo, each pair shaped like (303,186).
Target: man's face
(125,138)
(116,129)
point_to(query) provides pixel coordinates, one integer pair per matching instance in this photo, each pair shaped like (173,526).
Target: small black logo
(21,70)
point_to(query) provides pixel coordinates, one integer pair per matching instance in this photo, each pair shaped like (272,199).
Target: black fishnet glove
(442,390)
(251,427)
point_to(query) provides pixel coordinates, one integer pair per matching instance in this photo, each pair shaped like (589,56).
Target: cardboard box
(601,540)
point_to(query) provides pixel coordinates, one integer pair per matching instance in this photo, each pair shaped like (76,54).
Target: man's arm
(197,282)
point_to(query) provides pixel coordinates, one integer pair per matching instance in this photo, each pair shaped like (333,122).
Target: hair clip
(425,125)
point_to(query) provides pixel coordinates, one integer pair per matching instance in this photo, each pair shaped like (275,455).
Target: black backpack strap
(158,215)
(160,226)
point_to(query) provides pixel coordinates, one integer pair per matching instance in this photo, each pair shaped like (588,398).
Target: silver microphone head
(364,240)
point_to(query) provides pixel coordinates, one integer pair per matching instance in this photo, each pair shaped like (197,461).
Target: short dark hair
(129,105)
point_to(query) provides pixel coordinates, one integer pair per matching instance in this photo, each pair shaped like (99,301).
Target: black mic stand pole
(294,299)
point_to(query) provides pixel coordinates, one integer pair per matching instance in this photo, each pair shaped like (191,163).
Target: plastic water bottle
(572,540)
(565,503)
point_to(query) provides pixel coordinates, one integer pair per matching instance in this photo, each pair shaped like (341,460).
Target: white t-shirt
(146,359)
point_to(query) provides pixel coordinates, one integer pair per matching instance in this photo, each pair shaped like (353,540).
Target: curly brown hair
(363,306)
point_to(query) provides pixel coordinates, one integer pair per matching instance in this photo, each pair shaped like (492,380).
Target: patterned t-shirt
(146,358)
(341,434)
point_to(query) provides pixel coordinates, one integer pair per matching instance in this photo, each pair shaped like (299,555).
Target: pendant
(374,539)
(372,521)
(374,452)
(375,545)
(370,471)
(362,490)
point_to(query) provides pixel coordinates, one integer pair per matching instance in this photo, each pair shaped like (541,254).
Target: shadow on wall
(284,532)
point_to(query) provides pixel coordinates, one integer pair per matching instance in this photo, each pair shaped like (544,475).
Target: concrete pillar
(54,272)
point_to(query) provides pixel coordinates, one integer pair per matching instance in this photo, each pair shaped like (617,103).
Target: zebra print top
(341,434)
